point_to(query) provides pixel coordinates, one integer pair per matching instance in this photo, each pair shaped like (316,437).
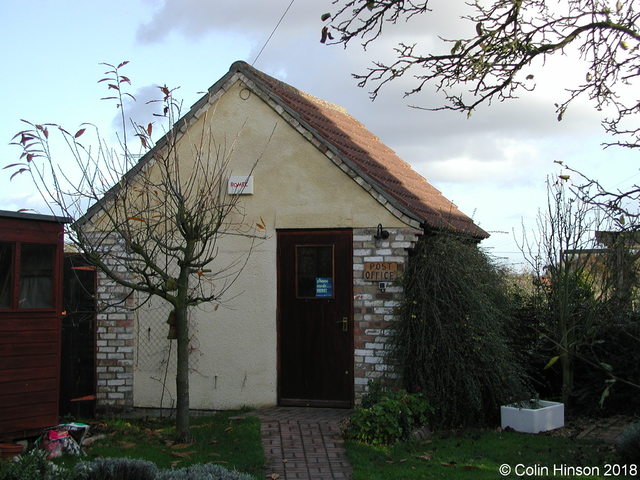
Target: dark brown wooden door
(315,333)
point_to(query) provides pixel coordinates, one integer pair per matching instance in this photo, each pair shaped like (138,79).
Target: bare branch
(511,39)
(153,225)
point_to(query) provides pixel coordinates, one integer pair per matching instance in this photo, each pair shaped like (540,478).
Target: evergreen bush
(135,469)
(608,362)
(606,373)
(33,465)
(450,340)
(376,389)
(393,417)
(116,469)
(202,472)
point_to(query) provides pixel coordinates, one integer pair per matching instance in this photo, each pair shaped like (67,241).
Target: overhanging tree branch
(511,40)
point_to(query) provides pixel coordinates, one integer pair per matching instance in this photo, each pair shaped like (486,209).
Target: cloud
(501,144)
(28,200)
(196,18)
(494,162)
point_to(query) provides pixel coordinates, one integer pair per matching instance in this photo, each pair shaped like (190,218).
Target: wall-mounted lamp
(381,234)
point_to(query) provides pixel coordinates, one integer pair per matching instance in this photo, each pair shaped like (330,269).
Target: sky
(493,165)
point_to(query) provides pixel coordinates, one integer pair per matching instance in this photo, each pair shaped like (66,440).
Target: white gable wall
(234,348)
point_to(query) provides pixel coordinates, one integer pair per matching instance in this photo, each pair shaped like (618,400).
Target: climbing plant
(450,340)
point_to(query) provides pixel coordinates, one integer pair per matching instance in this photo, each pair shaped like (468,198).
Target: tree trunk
(183,431)
(565,309)
(565,361)
(181,305)
(567,378)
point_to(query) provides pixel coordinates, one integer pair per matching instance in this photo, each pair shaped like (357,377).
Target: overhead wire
(272,33)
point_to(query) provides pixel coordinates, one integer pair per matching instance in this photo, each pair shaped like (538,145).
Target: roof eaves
(34,216)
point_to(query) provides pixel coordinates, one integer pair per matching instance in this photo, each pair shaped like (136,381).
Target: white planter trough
(533,417)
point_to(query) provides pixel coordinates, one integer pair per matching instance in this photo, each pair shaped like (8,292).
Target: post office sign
(380,271)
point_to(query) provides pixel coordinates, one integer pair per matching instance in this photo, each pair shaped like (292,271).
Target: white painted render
(296,186)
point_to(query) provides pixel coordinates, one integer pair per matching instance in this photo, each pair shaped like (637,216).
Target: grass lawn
(479,455)
(232,443)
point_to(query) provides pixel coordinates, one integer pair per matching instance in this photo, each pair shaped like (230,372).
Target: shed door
(315,336)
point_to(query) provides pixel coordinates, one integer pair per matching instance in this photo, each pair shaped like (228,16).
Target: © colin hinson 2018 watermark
(564,470)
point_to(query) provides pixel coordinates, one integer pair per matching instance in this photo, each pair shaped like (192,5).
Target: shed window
(36,276)
(27,275)
(6,274)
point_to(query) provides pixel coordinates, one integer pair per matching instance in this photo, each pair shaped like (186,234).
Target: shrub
(375,391)
(450,337)
(613,343)
(33,465)
(392,418)
(202,472)
(629,445)
(605,367)
(116,469)
(134,469)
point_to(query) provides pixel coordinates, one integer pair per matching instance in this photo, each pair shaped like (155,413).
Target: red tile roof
(391,176)
(336,130)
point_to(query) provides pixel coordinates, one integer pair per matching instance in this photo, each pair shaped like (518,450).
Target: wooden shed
(31,253)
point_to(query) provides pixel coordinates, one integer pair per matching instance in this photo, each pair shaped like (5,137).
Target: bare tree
(510,38)
(168,212)
(620,208)
(584,273)
(565,264)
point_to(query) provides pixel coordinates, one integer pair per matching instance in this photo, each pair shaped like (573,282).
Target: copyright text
(564,470)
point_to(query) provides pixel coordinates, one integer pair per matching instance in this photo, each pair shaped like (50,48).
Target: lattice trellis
(153,349)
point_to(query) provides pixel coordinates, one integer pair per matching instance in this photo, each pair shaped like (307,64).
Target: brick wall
(373,313)
(373,310)
(114,336)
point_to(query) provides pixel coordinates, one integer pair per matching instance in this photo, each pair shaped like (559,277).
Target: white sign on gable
(240,185)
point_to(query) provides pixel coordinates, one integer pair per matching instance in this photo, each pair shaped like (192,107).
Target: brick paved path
(304,443)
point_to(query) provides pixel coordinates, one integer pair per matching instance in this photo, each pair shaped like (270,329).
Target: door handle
(345,324)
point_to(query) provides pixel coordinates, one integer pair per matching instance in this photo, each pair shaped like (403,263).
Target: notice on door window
(324,287)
